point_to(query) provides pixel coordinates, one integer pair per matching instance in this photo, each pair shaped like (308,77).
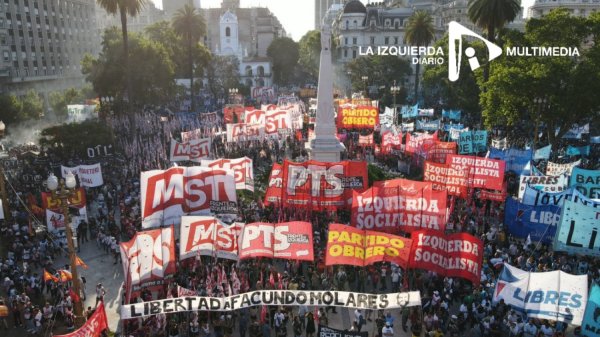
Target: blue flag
(445,114)
(595,140)
(516,160)
(542,153)
(591,319)
(578,151)
(539,222)
(454,115)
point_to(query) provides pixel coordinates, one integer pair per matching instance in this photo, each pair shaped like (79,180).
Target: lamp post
(395,90)
(541,103)
(365,79)
(67,189)
(232,94)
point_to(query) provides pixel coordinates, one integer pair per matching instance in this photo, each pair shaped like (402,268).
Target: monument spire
(325,146)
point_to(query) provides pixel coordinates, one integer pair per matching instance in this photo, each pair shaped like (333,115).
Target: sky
(296,16)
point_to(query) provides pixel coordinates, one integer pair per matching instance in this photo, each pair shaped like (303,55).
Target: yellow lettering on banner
(357,239)
(397,243)
(335,250)
(333,236)
(346,251)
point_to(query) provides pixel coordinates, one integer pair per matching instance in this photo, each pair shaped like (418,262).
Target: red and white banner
(361,117)
(187,136)
(437,151)
(89,175)
(287,240)
(276,120)
(194,150)
(241,167)
(400,205)
(169,194)
(366,140)
(77,199)
(499,196)
(148,259)
(207,235)
(446,178)
(355,247)
(455,255)
(320,185)
(275,188)
(414,143)
(242,132)
(93,327)
(389,141)
(255,117)
(230,111)
(183,292)
(55,220)
(208,119)
(481,172)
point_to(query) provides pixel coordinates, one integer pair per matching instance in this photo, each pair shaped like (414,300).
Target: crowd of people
(450,306)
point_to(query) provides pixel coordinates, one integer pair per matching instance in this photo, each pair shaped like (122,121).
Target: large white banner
(169,194)
(241,167)
(56,221)
(89,175)
(553,169)
(548,184)
(194,150)
(554,295)
(242,132)
(274,298)
(206,235)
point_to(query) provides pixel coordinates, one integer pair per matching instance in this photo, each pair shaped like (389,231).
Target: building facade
(148,16)
(42,43)
(583,8)
(321,8)
(170,7)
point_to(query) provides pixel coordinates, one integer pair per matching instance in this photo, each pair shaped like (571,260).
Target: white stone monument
(325,146)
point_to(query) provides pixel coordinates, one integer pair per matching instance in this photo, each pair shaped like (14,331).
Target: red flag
(49,277)
(74,296)
(65,275)
(79,262)
(93,327)
(263,314)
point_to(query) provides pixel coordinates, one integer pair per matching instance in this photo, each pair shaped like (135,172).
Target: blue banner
(452,114)
(587,181)
(578,151)
(516,160)
(472,142)
(590,327)
(445,114)
(428,126)
(595,140)
(533,197)
(448,127)
(410,112)
(542,153)
(578,229)
(538,221)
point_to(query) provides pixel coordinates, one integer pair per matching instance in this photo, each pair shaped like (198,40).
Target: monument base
(325,150)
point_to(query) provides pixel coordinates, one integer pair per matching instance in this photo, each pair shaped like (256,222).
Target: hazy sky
(296,16)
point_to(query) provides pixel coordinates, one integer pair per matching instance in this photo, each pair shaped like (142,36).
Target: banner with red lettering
(277,121)
(89,175)
(193,150)
(169,194)
(77,199)
(274,190)
(360,117)
(208,119)
(207,235)
(446,178)
(390,140)
(187,136)
(148,259)
(320,185)
(242,132)
(436,151)
(287,240)
(355,247)
(183,292)
(365,140)
(241,167)
(93,327)
(454,255)
(255,117)
(499,196)
(400,205)
(414,143)
(481,172)
(229,111)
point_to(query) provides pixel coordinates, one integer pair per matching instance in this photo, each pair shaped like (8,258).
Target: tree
(284,53)
(10,107)
(162,32)
(190,25)
(419,32)
(15,109)
(492,15)
(309,49)
(60,99)
(153,71)
(382,70)
(542,91)
(74,138)
(222,74)
(124,8)
(32,106)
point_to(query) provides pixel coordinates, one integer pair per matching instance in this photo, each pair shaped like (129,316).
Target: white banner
(194,150)
(553,169)
(89,175)
(241,167)
(274,298)
(206,235)
(242,132)
(554,295)
(167,195)
(56,221)
(548,184)
(187,136)
(500,143)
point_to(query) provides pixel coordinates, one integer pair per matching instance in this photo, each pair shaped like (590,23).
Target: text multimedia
(401,51)
(542,51)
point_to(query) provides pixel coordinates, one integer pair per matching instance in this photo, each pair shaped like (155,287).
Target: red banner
(193,150)
(437,151)
(242,170)
(414,143)
(455,255)
(169,194)
(207,235)
(148,259)
(389,140)
(481,172)
(360,117)
(492,195)
(93,327)
(445,178)
(274,190)
(230,110)
(365,140)
(320,185)
(355,247)
(400,205)
(287,240)
(76,200)
(255,117)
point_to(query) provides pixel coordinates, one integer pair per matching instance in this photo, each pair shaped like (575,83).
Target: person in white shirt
(546,329)
(279,318)
(387,330)
(530,330)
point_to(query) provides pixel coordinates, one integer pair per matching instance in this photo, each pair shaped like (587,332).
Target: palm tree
(189,24)
(124,8)
(491,15)
(419,32)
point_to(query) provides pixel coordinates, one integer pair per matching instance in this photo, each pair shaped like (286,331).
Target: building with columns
(583,8)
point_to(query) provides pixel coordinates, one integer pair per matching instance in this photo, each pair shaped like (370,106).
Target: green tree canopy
(222,73)
(74,138)
(284,54)
(60,99)
(381,70)
(419,33)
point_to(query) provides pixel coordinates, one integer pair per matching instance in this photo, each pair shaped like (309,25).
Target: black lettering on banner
(166,305)
(215,304)
(301,298)
(178,304)
(352,182)
(384,303)
(155,308)
(203,305)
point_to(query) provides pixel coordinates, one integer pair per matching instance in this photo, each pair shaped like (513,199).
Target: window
(345,53)
(345,41)
(396,24)
(372,40)
(260,70)
(354,24)
(354,54)
(227,31)
(346,24)
(248,71)
(354,40)
(395,40)
(6,56)
(386,40)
